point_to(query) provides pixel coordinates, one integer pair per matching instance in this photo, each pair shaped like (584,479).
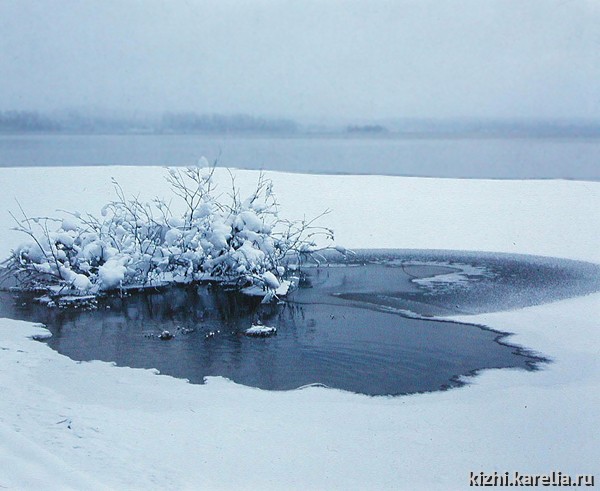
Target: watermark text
(514,479)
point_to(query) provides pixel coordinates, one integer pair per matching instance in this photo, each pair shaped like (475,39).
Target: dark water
(496,158)
(346,327)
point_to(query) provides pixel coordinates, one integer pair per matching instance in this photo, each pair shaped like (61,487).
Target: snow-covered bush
(134,243)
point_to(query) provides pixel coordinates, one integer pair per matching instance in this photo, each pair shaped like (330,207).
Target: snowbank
(547,217)
(81,425)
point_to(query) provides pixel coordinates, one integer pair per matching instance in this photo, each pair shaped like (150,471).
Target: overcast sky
(310,60)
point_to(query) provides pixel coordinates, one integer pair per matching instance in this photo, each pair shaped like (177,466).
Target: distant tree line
(189,122)
(75,122)
(369,128)
(218,123)
(26,121)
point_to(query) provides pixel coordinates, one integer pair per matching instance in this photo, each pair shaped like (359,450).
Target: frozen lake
(495,158)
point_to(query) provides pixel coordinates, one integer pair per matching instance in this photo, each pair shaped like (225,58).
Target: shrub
(136,244)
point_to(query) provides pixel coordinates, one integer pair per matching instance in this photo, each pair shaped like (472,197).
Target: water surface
(496,158)
(366,326)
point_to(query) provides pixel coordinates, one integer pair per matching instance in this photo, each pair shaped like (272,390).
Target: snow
(112,273)
(131,429)
(457,278)
(173,236)
(81,282)
(545,217)
(270,280)
(69,425)
(281,291)
(140,242)
(260,331)
(70,223)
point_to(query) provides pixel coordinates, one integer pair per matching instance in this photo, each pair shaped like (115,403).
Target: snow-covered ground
(546,217)
(84,425)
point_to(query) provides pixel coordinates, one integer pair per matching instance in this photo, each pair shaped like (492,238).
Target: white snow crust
(259,330)
(69,425)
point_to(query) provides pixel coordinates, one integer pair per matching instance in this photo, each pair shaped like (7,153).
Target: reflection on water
(343,329)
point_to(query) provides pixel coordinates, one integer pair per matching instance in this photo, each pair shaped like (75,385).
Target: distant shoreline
(417,135)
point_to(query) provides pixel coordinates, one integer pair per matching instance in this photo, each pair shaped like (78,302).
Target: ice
(260,331)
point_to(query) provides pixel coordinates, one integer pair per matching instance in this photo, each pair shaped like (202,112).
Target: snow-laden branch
(135,243)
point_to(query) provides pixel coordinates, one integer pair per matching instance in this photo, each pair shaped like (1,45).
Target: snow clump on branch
(137,244)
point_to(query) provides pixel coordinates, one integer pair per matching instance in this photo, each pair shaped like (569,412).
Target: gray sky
(315,60)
